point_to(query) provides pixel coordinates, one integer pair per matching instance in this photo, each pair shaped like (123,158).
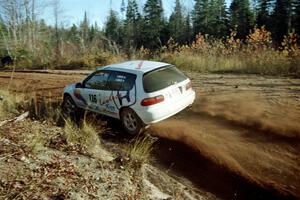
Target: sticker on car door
(123,90)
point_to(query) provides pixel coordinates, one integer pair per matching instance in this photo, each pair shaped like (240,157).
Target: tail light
(188,86)
(152,100)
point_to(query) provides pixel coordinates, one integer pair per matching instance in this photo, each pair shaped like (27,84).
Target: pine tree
(73,34)
(112,27)
(210,17)
(177,23)
(219,25)
(92,33)
(132,26)
(201,16)
(263,16)
(188,31)
(296,21)
(84,28)
(282,19)
(123,8)
(241,17)
(153,24)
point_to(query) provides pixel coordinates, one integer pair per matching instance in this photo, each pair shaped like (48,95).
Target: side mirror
(78,85)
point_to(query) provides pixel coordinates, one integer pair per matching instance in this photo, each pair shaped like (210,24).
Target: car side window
(98,81)
(121,81)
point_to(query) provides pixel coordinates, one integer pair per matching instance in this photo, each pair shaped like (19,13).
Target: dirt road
(247,124)
(244,125)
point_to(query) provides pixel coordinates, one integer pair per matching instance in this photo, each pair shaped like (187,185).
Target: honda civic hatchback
(139,93)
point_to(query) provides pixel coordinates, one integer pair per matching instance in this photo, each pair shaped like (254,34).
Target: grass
(36,140)
(256,54)
(267,62)
(9,104)
(85,135)
(140,149)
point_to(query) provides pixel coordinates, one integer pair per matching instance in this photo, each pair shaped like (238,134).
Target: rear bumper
(155,114)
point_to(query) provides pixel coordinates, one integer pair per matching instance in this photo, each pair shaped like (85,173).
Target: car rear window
(162,78)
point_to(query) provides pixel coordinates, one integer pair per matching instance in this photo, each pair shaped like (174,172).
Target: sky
(72,11)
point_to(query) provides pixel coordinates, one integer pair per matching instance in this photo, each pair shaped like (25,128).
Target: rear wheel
(131,122)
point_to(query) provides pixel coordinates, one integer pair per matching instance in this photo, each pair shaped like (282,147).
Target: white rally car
(139,93)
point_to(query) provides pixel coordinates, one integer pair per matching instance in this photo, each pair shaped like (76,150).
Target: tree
(241,17)
(188,31)
(132,27)
(296,21)
(177,24)
(201,16)
(113,27)
(57,35)
(92,33)
(219,24)
(210,17)
(153,24)
(73,34)
(84,29)
(263,16)
(123,8)
(282,19)
(4,49)
(19,19)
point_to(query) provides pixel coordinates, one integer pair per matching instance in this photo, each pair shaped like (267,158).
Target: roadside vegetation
(9,104)
(255,55)
(139,151)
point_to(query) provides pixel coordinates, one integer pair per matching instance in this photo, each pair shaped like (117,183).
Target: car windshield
(162,78)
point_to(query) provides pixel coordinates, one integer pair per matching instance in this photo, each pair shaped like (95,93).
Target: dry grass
(267,62)
(140,149)
(256,54)
(36,141)
(42,108)
(12,103)
(85,136)
(9,104)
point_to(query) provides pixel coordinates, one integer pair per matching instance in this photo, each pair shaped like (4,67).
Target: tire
(131,122)
(69,108)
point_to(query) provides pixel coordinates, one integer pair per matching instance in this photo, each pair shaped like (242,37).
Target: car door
(94,89)
(122,92)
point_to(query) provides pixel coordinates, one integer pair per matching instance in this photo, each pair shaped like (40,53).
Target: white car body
(174,98)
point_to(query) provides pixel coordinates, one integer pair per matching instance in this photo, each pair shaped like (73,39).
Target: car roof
(137,66)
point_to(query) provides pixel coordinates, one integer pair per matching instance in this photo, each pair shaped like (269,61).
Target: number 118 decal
(93,98)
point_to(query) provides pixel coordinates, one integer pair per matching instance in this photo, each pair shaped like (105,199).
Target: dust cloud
(253,136)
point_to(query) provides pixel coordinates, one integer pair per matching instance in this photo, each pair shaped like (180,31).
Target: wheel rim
(69,106)
(130,121)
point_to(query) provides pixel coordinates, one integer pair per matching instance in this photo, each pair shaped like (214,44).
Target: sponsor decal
(110,108)
(118,97)
(139,66)
(126,96)
(78,96)
(106,101)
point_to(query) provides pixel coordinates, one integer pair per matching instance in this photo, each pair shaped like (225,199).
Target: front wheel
(131,122)
(69,108)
